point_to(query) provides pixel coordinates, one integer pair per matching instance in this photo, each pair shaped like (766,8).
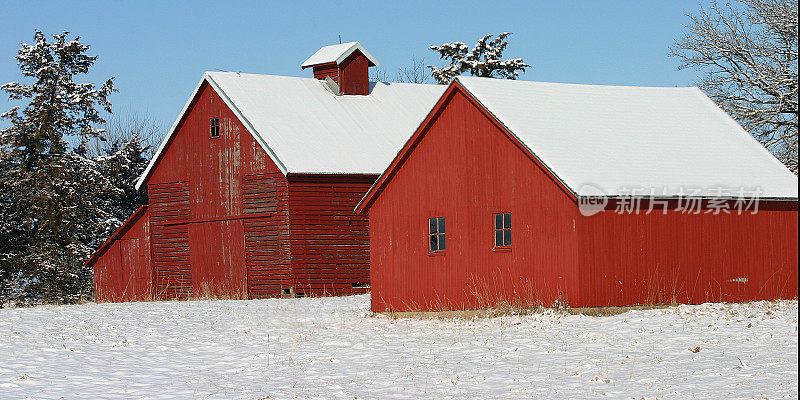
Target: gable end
(207,80)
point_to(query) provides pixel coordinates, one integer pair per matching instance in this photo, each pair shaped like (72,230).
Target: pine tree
(122,163)
(484,59)
(50,192)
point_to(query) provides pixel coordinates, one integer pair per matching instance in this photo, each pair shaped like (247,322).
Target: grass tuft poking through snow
(334,348)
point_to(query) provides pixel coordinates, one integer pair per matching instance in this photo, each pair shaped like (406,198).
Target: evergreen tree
(53,196)
(122,163)
(484,59)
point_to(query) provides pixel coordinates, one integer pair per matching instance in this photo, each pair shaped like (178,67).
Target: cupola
(345,66)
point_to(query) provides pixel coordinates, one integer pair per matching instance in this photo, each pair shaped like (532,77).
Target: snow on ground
(332,348)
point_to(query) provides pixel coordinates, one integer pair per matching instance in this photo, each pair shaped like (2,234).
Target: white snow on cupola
(337,53)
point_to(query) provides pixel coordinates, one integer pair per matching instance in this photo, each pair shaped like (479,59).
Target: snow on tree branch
(484,59)
(56,203)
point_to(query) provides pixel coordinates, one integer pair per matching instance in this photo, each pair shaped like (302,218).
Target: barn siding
(123,271)
(354,74)
(216,249)
(267,238)
(327,70)
(329,242)
(109,281)
(169,209)
(465,169)
(688,258)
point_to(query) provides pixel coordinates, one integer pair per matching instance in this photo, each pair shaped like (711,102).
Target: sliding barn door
(266,234)
(218,267)
(169,210)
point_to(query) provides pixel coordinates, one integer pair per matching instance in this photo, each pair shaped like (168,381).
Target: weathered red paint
(122,269)
(463,165)
(224,221)
(329,243)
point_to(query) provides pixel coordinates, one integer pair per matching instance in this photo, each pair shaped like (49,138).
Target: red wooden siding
(330,244)
(227,257)
(688,258)
(123,271)
(462,165)
(217,259)
(465,169)
(354,74)
(169,209)
(323,71)
(267,238)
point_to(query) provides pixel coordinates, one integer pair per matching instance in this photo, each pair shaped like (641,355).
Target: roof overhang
(336,54)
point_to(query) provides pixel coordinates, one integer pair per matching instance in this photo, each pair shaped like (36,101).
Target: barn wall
(465,169)
(329,242)
(267,239)
(327,70)
(354,74)
(123,272)
(209,238)
(688,258)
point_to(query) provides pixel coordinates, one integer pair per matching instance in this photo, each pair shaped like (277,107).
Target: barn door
(169,210)
(266,233)
(218,267)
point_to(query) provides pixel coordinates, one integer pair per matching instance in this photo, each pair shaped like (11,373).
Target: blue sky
(158,50)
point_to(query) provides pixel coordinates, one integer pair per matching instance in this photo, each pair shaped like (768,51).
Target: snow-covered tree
(122,163)
(747,51)
(483,59)
(53,196)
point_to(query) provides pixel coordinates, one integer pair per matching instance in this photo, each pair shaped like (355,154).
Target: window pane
(441,225)
(441,240)
(432,228)
(498,221)
(498,238)
(433,243)
(507,220)
(507,238)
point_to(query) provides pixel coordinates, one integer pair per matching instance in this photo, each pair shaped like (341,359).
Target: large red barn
(251,194)
(529,193)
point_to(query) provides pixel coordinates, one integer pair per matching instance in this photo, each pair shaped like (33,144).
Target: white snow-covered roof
(337,53)
(305,128)
(621,138)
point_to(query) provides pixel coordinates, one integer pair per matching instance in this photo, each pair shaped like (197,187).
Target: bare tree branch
(747,51)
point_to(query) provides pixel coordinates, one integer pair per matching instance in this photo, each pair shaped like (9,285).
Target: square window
(436,234)
(502,230)
(214,127)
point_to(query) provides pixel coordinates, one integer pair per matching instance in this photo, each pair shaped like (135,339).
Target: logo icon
(591,200)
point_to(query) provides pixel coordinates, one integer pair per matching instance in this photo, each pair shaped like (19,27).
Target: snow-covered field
(332,348)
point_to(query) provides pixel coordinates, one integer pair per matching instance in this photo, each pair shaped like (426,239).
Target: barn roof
(623,140)
(618,138)
(306,128)
(337,53)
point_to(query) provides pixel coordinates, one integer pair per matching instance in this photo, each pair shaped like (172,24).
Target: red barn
(529,193)
(251,194)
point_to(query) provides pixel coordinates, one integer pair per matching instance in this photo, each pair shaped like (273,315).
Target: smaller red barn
(533,193)
(118,264)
